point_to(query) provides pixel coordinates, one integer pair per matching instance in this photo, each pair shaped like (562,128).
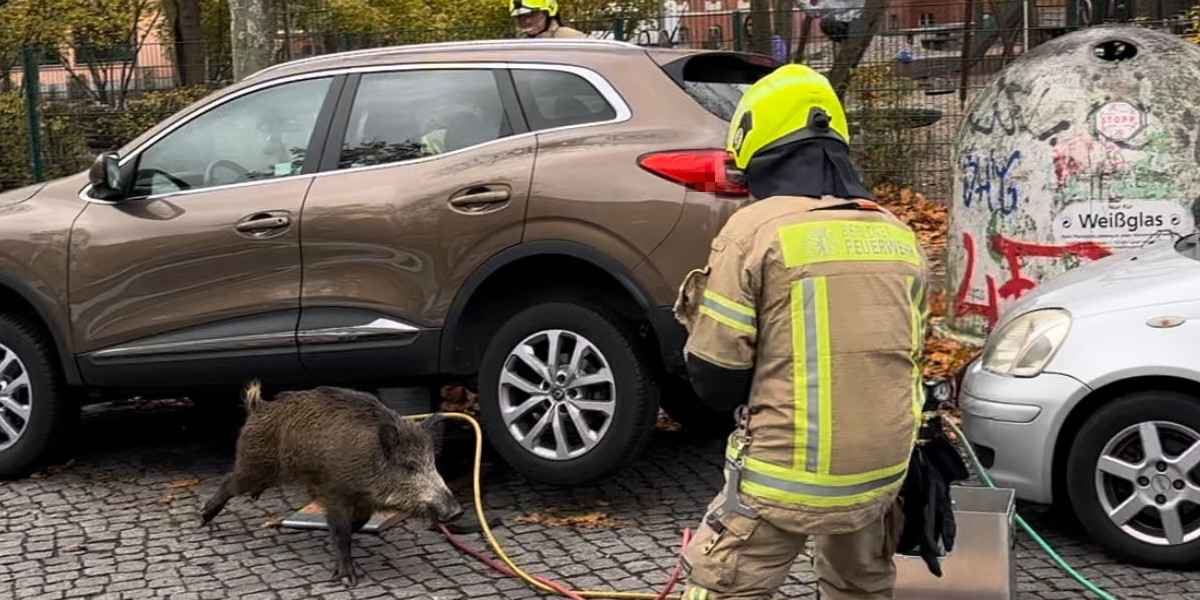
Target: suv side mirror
(106,177)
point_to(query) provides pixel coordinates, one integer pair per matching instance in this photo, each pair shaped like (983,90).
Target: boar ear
(436,426)
(389,438)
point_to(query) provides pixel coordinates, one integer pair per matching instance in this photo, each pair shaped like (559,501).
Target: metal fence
(908,71)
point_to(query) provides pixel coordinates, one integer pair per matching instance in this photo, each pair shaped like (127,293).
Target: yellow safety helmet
(793,103)
(524,7)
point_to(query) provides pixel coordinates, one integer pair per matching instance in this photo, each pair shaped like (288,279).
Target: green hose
(1058,560)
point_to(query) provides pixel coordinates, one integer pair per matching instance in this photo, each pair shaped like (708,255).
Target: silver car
(1087,395)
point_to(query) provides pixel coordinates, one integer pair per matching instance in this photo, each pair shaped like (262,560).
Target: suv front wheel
(565,394)
(33,409)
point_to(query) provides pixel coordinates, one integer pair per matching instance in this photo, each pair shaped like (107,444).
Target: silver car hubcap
(1146,483)
(557,394)
(16,398)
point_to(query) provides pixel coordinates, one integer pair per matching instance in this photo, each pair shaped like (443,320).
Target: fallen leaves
(183,483)
(945,357)
(591,520)
(666,423)
(457,398)
(926,217)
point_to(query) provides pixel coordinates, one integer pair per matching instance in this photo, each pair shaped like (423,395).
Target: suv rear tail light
(700,170)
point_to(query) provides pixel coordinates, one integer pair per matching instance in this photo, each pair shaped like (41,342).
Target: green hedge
(74,131)
(14,149)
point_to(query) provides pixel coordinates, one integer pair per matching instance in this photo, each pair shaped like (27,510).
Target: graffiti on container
(1014,252)
(1084,155)
(986,179)
(1009,114)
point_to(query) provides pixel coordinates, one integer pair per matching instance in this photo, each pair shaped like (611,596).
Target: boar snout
(448,510)
(432,498)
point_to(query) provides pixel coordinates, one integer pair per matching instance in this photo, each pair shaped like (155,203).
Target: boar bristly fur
(354,456)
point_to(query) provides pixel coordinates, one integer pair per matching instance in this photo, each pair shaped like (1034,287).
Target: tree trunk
(1010,17)
(802,45)
(760,26)
(187,35)
(251,27)
(862,31)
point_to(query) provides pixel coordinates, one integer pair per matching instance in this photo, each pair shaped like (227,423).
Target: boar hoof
(345,571)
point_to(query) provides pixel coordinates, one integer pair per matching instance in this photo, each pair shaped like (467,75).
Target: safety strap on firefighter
(734,464)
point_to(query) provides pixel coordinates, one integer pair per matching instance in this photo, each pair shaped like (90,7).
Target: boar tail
(253,396)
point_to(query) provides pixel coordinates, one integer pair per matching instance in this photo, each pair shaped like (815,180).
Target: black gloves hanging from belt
(929,527)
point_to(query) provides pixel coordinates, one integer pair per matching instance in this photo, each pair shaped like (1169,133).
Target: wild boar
(353,454)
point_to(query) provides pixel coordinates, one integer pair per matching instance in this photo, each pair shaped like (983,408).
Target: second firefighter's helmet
(524,7)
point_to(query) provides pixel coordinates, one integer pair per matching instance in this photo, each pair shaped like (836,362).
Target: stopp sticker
(1119,121)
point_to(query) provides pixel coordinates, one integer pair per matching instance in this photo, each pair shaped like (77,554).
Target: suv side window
(558,99)
(404,115)
(262,135)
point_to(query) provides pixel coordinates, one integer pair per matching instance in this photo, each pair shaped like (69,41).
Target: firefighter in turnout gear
(539,19)
(808,321)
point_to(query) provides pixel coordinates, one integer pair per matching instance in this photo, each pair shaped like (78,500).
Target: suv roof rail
(417,48)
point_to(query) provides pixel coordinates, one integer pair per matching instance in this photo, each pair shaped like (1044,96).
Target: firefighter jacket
(561,31)
(819,306)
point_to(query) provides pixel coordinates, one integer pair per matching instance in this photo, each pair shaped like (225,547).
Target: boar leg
(216,503)
(340,526)
(240,481)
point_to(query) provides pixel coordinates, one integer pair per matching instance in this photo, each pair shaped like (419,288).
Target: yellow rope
(487,531)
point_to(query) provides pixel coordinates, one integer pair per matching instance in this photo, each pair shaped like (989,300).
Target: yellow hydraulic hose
(495,545)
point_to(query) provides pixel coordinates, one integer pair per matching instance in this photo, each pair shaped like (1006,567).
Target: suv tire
(1117,431)
(33,402)
(616,404)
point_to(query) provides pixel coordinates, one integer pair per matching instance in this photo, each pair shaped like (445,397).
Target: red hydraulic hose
(557,587)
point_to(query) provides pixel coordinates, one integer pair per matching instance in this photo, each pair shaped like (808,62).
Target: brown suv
(522,212)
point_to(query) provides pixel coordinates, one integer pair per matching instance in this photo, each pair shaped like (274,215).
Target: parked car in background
(519,211)
(1088,395)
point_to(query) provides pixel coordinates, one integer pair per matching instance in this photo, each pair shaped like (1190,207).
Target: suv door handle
(481,198)
(261,224)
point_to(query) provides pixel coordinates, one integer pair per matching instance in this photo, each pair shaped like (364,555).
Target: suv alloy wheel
(565,394)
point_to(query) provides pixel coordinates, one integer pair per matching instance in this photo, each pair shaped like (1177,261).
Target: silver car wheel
(1146,485)
(16,398)
(557,394)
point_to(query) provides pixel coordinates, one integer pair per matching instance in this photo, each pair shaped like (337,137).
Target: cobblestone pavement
(121,521)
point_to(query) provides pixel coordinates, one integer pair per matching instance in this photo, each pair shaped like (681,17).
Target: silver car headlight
(1024,346)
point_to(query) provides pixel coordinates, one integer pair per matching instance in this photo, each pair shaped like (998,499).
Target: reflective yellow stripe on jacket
(919,317)
(731,314)
(809,481)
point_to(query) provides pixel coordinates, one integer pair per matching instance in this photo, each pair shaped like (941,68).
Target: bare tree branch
(862,32)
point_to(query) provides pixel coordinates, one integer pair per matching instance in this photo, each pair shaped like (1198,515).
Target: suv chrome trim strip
(602,85)
(223,344)
(379,328)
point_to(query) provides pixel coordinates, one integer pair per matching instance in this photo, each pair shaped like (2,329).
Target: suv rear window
(558,99)
(717,81)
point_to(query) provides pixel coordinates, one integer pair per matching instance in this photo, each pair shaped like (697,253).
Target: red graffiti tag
(991,310)
(1017,284)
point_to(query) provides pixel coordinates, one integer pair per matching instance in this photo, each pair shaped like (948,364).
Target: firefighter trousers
(752,556)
